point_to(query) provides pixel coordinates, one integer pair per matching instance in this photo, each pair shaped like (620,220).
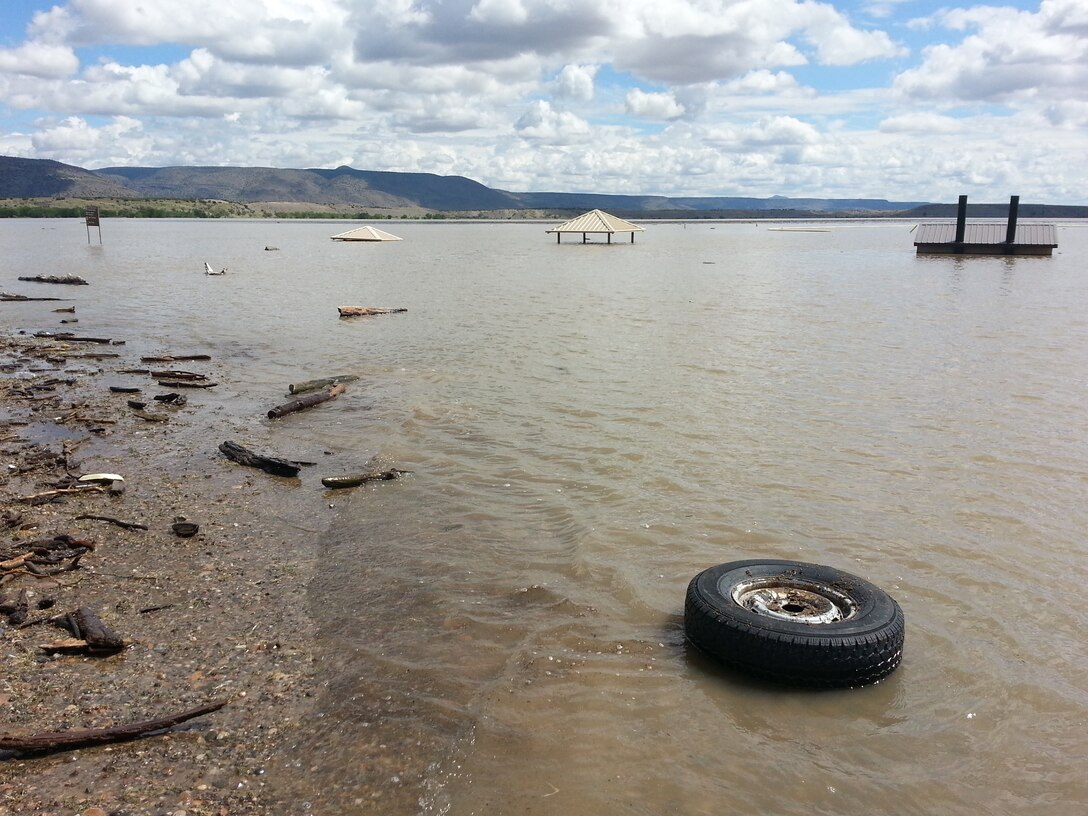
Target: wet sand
(218,616)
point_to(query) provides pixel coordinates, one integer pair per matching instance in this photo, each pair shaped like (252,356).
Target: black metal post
(961,219)
(1014,210)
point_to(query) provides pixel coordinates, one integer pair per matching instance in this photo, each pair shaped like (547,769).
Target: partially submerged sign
(90,217)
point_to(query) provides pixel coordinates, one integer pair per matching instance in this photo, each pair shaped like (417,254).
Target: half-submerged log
(323,382)
(75,280)
(64,740)
(306,402)
(175,358)
(9,296)
(269,464)
(68,337)
(365,311)
(337,482)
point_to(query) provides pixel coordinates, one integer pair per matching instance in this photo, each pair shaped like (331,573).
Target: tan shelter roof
(597,221)
(366,234)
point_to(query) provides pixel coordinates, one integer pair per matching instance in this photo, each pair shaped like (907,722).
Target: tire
(796,623)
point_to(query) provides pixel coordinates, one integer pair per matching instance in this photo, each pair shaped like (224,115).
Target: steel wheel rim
(793,599)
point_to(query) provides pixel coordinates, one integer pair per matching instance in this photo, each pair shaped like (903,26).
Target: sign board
(90,216)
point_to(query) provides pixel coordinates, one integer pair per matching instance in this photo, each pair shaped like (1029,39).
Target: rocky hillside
(345,188)
(42,178)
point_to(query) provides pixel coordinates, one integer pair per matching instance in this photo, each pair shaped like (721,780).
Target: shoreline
(222,615)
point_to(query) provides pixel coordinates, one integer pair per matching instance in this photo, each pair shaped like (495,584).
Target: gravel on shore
(221,615)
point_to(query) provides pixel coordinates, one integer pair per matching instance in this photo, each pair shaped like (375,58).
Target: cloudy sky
(899,99)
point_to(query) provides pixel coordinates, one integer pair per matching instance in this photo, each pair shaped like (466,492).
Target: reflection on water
(588,427)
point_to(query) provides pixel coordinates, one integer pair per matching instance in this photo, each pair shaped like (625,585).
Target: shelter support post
(1014,211)
(961,223)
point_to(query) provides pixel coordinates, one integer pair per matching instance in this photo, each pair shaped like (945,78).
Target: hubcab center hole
(793,599)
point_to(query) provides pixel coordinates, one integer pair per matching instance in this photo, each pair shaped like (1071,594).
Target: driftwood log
(307,401)
(68,337)
(90,633)
(323,382)
(365,311)
(269,464)
(13,297)
(64,740)
(175,358)
(125,525)
(337,482)
(174,374)
(186,384)
(16,611)
(49,495)
(72,279)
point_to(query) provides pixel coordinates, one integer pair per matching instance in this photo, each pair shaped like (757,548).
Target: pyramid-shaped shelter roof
(366,234)
(597,221)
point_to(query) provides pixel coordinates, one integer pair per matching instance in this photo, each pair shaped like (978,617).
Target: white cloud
(545,94)
(286,32)
(500,12)
(39,59)
(763,82)
(660,106)
(920,123)
(1012,56)
(576,82)
(781,131)
(75,141)
(540,121)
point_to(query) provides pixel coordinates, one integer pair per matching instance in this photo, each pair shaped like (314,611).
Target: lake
(588,427)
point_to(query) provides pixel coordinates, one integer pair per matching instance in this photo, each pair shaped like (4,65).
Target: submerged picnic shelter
(596,221)
(366,234)
(1009,238)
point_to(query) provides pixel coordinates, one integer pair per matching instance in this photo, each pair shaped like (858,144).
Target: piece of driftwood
(174,374)
(307,401)
(354,480)
(172,398)
(149,417)
(269,464)
(65,740)
(71,279)
(365,311)
(84,624)
(49,495)
(323,382)
(8,296)
(68,337)
(124,389)
(175,358)
(186,384)
(126,525)
(17,612)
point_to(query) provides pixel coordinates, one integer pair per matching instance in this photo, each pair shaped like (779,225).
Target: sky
(908,100)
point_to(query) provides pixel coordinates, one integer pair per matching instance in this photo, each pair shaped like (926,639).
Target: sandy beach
(217,617)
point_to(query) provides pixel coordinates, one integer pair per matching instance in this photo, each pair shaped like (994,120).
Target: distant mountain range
(347,187)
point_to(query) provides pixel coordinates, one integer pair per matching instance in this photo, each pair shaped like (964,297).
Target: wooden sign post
(91,217)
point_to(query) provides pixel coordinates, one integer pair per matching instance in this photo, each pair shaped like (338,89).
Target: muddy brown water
(590,426)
